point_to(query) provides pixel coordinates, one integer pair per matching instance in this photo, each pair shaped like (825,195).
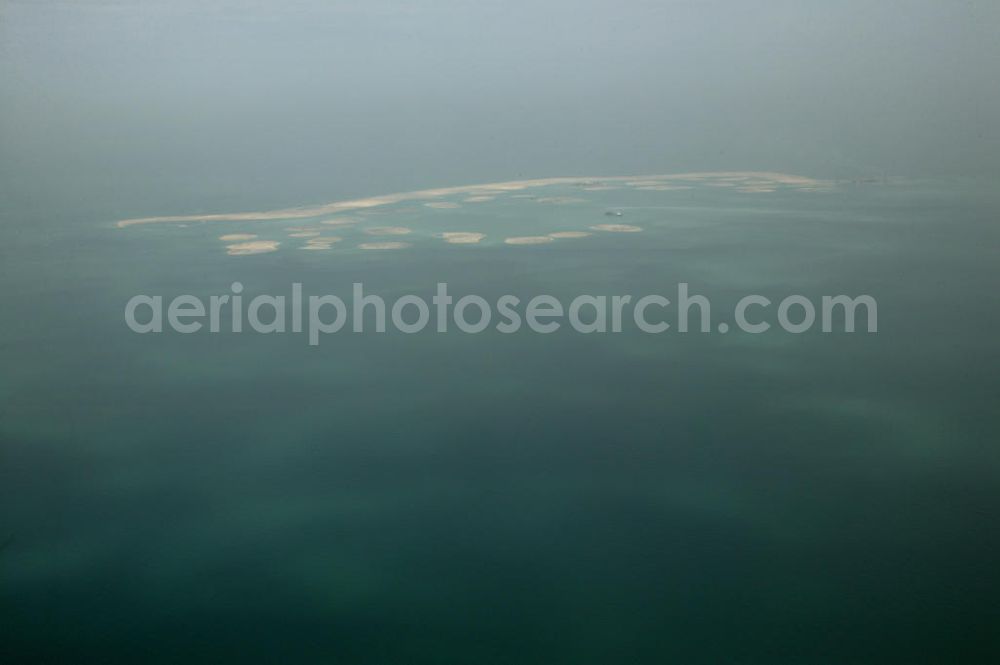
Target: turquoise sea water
(524,498)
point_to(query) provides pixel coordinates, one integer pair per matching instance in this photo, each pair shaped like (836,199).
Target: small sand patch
(478,199)
(528,240)
(442,205)
(236,237)
(570,234)
(255,247)
(388,231)
(617,228)
(462,237)
(303,234)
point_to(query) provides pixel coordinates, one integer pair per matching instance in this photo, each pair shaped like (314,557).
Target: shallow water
(508,498)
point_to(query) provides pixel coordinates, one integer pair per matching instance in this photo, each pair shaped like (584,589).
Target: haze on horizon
(155,102)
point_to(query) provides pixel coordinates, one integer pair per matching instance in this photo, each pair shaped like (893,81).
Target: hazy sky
(304,101)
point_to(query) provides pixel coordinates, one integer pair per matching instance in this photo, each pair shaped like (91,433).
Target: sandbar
(462,237)
(528,240)
(254,247)
(388,231)
(433,195)
(617,228)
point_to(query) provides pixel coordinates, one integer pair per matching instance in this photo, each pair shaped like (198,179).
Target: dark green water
(525,498)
